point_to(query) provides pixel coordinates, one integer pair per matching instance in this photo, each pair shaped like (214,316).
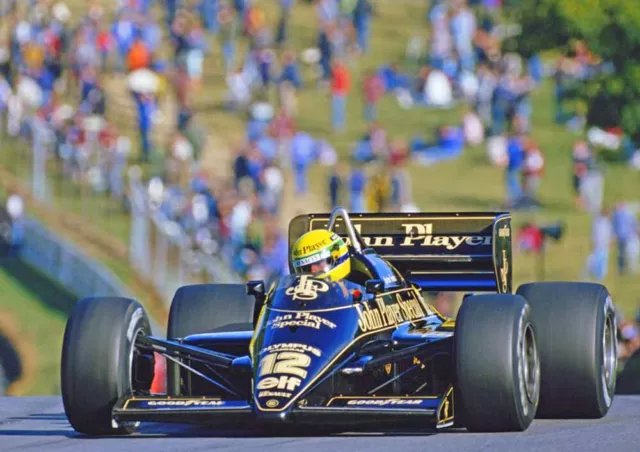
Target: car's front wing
(435,411)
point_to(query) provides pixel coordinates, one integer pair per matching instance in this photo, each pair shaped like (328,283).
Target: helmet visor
(322,266)
(322,262)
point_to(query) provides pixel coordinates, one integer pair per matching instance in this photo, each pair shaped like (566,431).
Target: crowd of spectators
(52,92)
(52,95)
(464,64)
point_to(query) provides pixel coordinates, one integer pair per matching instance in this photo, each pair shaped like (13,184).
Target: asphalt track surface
(39,423)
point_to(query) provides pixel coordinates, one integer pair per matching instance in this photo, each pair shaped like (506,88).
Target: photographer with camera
(532,238)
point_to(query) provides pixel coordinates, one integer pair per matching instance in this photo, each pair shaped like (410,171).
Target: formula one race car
(362,350)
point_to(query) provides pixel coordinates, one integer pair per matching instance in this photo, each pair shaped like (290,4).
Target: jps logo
(504,272)
(421,234)
(307,288)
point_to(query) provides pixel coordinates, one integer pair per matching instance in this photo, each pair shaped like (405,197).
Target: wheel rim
(529,368)
(131,424)
(131,355)
(609,353)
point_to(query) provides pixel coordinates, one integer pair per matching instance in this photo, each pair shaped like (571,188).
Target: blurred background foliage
(612,29)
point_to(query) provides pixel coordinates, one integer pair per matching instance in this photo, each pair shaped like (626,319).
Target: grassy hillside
(33,310)
(469,183)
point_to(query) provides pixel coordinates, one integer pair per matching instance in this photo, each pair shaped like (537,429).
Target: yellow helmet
(322,252)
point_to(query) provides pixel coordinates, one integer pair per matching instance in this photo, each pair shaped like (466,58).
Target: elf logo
(283,383)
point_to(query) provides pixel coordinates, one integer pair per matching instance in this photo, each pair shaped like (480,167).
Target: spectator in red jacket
(373,90)
(340,87)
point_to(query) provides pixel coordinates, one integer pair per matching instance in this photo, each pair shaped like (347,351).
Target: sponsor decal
(375,241)
(384,402)
(315,246)
(390,402)
(301,318)
(183,403)
(422,235)
(272,403)
(186,403)
(291,363)
(291,347)
(388,367)
(285,395)
(325,254)
(504,272)
(307,288)
(390,279)
(283,383)
(504,232)
(384,315)
(416,234)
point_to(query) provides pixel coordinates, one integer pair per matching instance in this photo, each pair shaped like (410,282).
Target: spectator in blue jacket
(302,154)
(598,260)
(290,70)
(625,230)
(361,23)
(283,24)
(335,187)
(515,155)
(145,105)
(357,184)
(208,10)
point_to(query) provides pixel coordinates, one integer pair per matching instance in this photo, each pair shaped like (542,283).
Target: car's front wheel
(98,359)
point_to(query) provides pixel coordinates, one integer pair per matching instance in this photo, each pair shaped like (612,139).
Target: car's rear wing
(437,251)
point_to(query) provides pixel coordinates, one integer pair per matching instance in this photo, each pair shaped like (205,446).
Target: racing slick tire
(210,308)
(207,308)
(496,364)
(97,361)
(576,326)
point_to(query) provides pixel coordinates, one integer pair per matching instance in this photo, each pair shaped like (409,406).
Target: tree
(611,29)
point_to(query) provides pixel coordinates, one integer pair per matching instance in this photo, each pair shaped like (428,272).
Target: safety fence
(159,250)
(66,265)
(164,254)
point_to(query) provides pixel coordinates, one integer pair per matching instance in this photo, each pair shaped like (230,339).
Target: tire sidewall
(526,407)
(136,323)
(605,392)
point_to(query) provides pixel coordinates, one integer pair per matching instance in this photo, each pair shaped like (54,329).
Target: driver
(322,253)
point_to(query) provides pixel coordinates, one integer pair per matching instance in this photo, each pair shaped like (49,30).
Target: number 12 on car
(291,363)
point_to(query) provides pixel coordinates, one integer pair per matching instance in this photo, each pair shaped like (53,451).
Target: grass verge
(33,312)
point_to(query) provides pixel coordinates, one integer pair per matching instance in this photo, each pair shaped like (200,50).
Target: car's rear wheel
(206,308)
(576,329)
(497,364)
(98,359)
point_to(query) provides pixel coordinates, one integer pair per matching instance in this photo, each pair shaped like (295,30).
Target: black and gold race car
(364,350)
